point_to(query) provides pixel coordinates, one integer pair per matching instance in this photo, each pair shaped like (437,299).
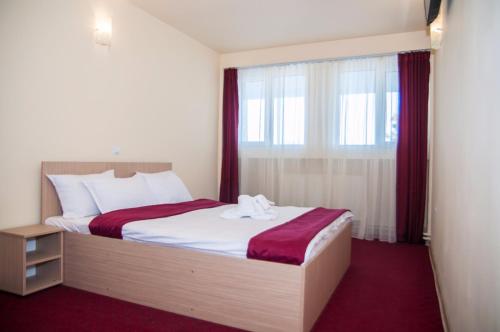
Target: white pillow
(120,193)
(167,187)
(75,199)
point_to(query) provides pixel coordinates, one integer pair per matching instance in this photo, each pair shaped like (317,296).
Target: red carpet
(387,288)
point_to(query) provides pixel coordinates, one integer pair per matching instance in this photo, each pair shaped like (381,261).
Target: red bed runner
(110,224)
(287,243)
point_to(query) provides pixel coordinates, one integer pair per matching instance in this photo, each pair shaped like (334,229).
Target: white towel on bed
(258,207)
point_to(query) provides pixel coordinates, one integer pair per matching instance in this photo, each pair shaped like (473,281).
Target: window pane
(357,119)
(289,121)
(289,109)
(254,115)
(392,107)
(255,120)
(391,117)
(357,116)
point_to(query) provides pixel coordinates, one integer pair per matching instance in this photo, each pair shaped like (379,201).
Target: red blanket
(287,243)
(110,224)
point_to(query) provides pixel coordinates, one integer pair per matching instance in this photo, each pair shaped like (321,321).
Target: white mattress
(205,230)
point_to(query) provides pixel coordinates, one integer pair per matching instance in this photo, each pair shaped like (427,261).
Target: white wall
(353,47)
(466,186)
(154,93)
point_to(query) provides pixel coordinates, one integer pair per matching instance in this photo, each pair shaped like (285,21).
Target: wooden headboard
(50,201)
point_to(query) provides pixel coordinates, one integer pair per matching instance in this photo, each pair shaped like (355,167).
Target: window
(321,107)
(275,116)
(368,107)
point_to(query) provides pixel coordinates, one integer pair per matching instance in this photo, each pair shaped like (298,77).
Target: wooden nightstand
(46,258)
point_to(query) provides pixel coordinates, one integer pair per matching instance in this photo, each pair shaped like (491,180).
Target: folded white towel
(263,201)
(258,207)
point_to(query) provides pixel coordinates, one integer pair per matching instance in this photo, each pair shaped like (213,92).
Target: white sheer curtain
(323,134)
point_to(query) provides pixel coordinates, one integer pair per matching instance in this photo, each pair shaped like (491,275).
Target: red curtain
(411,173)
(229,189)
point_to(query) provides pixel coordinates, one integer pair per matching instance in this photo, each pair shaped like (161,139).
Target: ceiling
(237,25)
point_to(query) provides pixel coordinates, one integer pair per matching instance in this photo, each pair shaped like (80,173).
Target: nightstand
(30,258)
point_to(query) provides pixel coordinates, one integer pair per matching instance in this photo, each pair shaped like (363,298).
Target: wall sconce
(103,31)
(436,37)
(437,28)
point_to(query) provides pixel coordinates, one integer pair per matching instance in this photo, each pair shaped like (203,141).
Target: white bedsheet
(205,230)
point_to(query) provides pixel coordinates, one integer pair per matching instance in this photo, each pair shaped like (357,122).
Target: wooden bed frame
(249,294)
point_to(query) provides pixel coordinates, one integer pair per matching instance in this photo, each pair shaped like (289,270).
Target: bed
(219,287)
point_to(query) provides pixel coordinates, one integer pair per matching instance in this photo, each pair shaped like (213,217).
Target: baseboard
(444,319)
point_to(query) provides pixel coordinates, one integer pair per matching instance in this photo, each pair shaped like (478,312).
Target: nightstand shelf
(48,274)
(46,260)
(37,257)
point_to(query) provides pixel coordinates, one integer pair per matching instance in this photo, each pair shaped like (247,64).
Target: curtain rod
(330,59)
